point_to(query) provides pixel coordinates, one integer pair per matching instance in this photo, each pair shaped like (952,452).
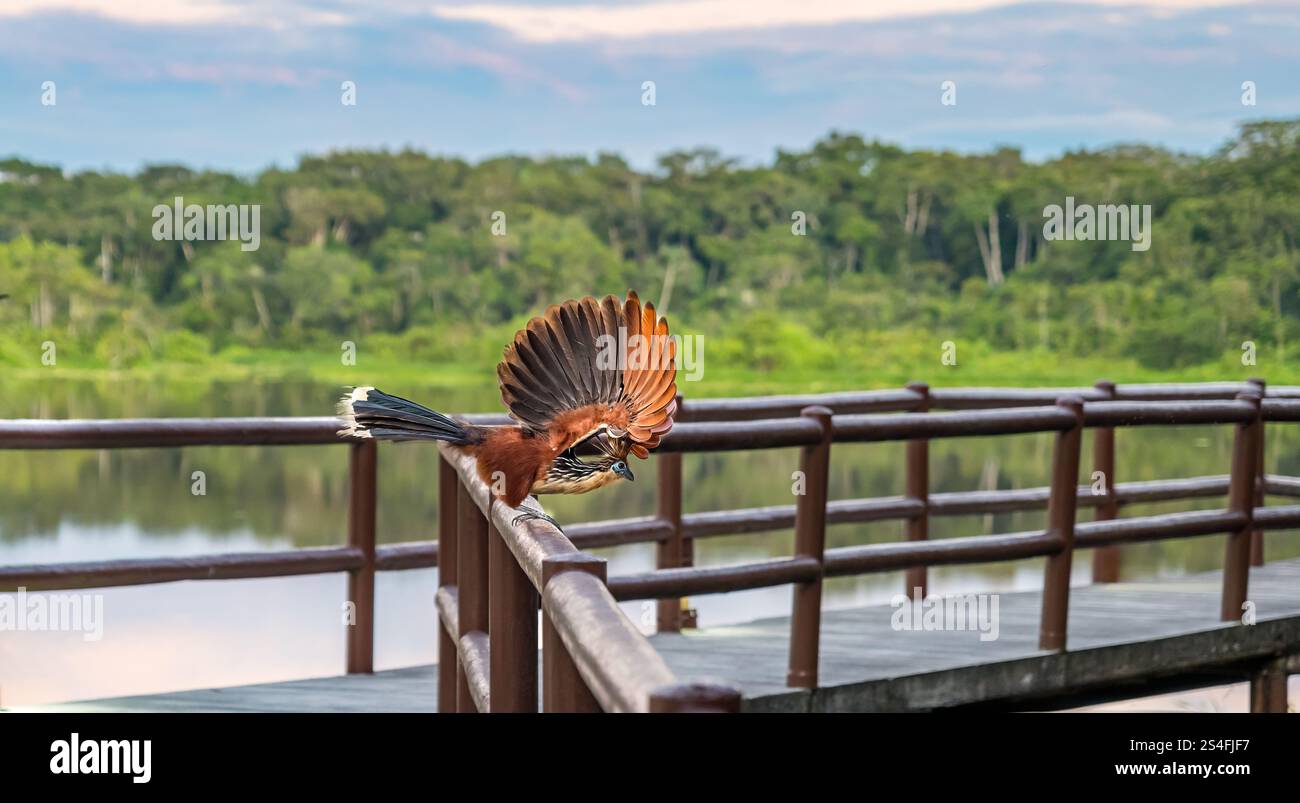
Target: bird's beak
(627,474)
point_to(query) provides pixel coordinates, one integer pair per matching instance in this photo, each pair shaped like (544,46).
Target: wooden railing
(1067,419)
(596,658)
(493,574)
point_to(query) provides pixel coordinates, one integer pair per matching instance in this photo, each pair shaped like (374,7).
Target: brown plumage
(588,379)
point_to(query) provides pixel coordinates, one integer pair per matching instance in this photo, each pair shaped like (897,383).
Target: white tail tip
(348,416)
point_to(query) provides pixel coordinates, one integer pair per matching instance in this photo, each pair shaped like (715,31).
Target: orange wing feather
(600,371)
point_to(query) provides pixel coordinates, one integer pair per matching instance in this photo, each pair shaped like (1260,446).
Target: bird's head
(621,468)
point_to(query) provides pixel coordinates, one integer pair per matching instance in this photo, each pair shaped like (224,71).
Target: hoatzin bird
(587,384)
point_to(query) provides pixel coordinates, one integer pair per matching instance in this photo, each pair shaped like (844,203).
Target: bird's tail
(371,413)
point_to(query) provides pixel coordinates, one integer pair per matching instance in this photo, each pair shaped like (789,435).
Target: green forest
(847,264)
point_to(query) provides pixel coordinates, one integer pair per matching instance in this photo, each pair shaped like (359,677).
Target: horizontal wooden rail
(781,517)
(475,661)
(706,434)
(1280,409)
(742,409)
(1168,490)
(965,424)
(618,532)
(447,603)
(727,436)
(1155,528)
(986,398)
(872,558)
(1279,517)
(1191,391)
(144,571)
(1166,413)
(405,556)
(714,579)
(148,433)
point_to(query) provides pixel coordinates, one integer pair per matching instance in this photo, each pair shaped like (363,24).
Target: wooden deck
(1126,639)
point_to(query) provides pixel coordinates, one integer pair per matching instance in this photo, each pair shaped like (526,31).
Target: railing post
(695,698)
(563,689)
(1241,499)
(1061,507)
(448,657)
(918,488)
(1268,688)
(471,583)
(1257,535)
(687,554)
(1105,559)
(671,553)
(512,631)
(810,542)
(362,464)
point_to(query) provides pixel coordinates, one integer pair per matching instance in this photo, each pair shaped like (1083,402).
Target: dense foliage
(903,250)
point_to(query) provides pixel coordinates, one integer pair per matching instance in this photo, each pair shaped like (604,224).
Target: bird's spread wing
(599,373)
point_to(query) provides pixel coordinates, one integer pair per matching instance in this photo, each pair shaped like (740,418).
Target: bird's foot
(531,515)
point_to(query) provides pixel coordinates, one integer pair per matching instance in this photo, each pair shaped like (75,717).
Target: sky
(241,85)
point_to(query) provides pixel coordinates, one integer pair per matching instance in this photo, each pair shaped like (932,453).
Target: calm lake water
(88,505)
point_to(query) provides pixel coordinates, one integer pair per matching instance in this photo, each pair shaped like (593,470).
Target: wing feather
(560,332)
(660,386)
(556,379)
(521,386)
(541,356)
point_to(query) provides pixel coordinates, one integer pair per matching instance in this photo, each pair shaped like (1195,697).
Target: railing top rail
(131,433)
(716,436)
(962,398)
(789,406)
(736,424)
(532,541)
(1180,412)
(978,398)
(965,423)
(1280,409)
(138,433)
(1187,391)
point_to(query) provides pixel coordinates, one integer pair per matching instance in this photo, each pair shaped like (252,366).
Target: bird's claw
(530,515)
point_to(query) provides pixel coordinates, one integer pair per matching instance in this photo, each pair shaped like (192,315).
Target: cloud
(176,12)
(444,51)
(566,23)
(182,13)
(234,73)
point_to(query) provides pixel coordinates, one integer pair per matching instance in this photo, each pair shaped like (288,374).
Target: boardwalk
(1119,634)
(497,568)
